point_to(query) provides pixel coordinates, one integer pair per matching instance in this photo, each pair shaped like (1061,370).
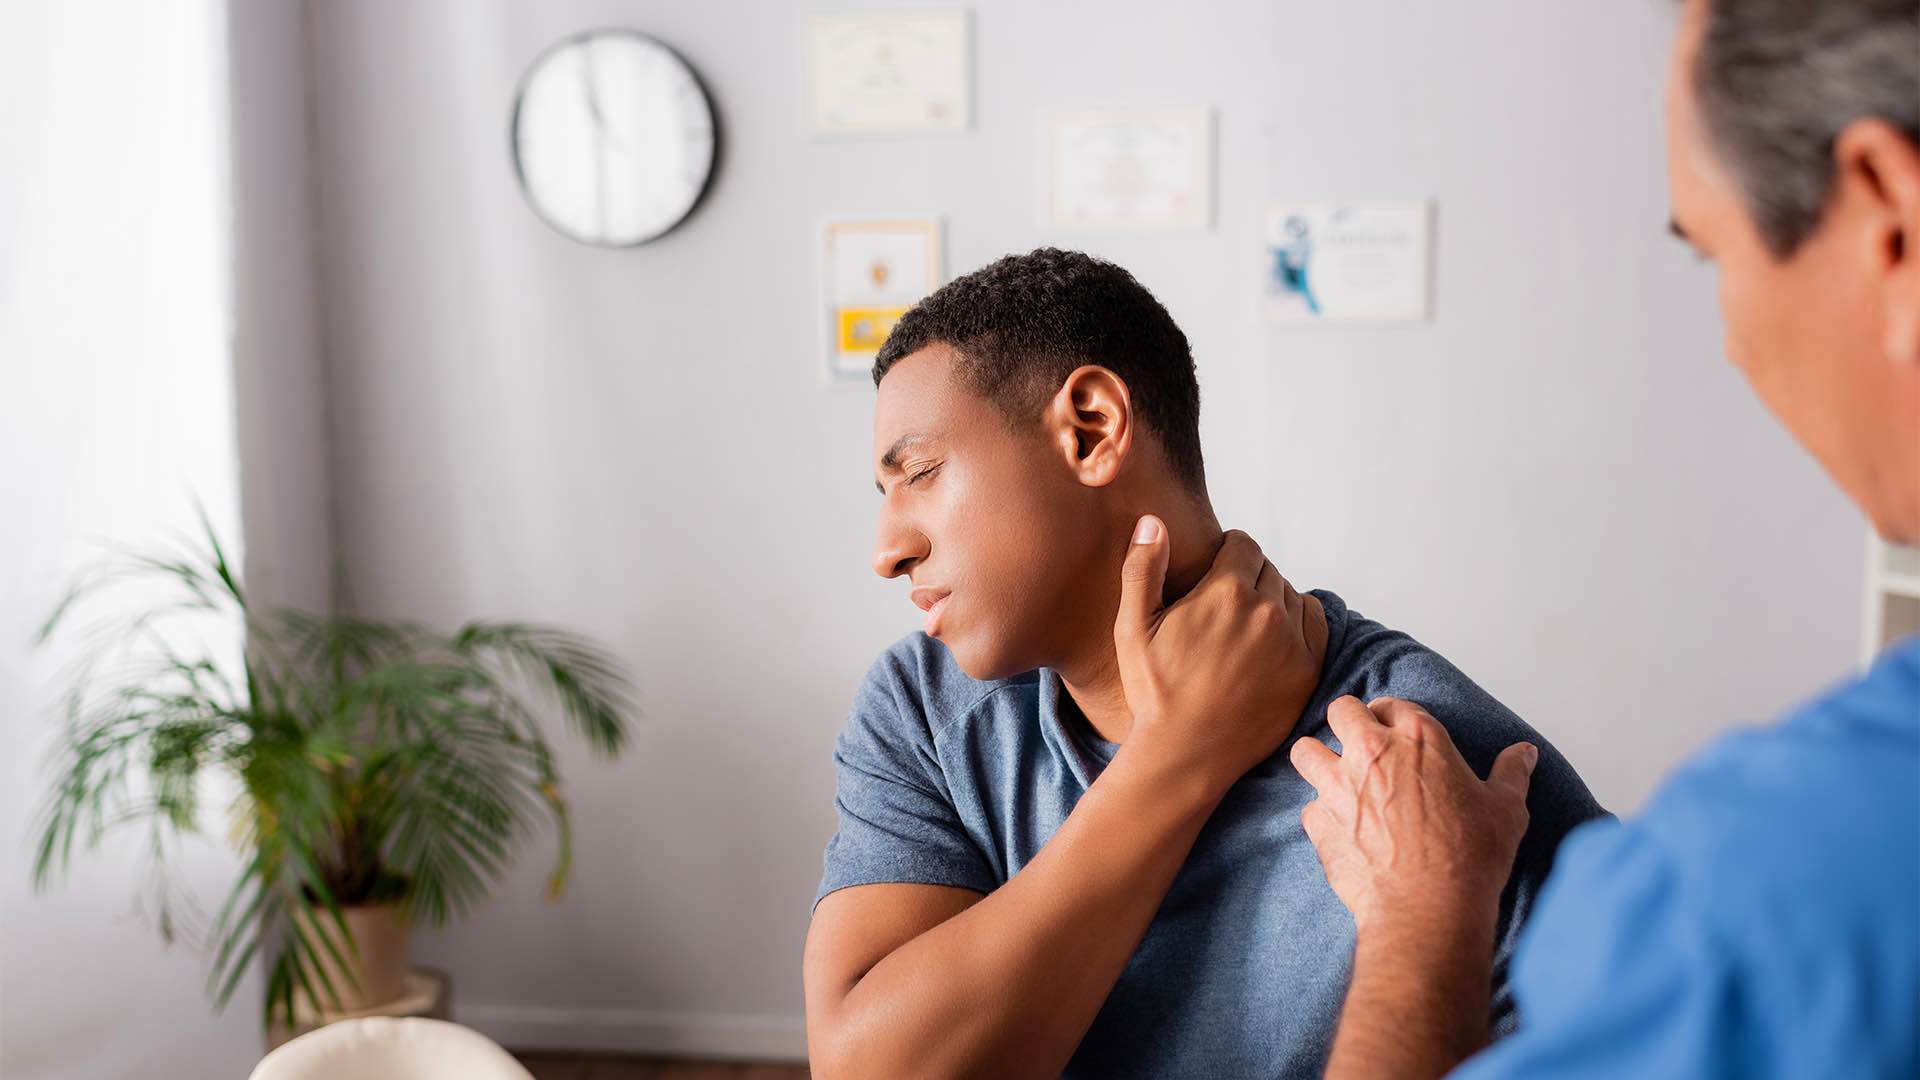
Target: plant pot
(375,964)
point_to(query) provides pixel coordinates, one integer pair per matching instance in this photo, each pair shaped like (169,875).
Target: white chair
(391,1048)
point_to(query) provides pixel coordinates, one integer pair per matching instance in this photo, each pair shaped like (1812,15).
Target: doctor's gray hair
(1778,80)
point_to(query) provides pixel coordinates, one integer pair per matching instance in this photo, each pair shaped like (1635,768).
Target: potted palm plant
(380,774)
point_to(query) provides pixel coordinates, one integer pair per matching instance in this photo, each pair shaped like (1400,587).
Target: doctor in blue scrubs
(1761,917)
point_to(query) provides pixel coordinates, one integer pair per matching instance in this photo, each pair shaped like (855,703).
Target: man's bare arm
(909,980)
(1009,985)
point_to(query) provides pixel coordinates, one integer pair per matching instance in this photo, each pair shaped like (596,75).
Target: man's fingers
(1238,557)
(1405,716)
(1400,713)
(1351,721)
(1393,711)
(1273,585)
(1315,762)
(1310,818)
(1143,578)
(1513,770)
(1263,582)
(1278,591)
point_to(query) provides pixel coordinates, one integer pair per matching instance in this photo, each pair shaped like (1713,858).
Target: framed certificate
(893,71)
(874,269)
(1123,171)
(1349,262)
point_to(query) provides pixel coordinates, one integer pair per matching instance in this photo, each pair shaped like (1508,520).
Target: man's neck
(1093,678)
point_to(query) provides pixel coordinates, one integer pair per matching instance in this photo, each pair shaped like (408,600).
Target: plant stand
(429,993)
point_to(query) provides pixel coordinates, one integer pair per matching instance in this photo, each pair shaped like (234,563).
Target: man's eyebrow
(890,461)
(1674,227)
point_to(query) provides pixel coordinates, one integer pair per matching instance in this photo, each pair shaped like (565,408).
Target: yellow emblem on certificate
(866,329)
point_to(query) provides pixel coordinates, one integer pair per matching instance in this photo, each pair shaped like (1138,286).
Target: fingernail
(1147,531)
(1532,753)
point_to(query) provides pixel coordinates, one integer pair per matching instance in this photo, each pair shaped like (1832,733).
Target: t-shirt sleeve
(1613,976)
(897,821)
(1558,800)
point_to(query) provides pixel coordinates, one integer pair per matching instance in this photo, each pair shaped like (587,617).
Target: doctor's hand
(1216,680)
(1404,829)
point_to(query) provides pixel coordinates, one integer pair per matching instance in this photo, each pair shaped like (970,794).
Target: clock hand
(591,85)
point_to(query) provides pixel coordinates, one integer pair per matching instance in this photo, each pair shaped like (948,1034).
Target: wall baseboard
(738,1036)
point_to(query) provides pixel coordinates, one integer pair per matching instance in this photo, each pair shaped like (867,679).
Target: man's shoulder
(1368,659)
(916,681)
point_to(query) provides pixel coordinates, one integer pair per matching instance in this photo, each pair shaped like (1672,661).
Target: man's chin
(985,664)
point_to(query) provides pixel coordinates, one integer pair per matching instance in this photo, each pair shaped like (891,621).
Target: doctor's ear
(1880,166)
(1090,422)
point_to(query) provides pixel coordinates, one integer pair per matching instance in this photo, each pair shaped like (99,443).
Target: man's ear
(1882,164)
(1090,421)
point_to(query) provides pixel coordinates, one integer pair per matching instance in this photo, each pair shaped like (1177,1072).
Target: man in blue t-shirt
(1761,917)
(1069,838)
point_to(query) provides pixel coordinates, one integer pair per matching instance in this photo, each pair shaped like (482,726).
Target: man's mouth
(933,601)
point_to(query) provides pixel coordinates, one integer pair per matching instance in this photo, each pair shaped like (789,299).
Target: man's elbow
(833,1055)
(833,1049)
(844,1048)
(826,1059)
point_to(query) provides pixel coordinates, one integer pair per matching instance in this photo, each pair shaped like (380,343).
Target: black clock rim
(513,134)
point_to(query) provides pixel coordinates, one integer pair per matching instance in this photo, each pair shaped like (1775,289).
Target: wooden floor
(545,1065)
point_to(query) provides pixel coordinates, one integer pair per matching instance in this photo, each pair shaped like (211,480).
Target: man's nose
(897,550)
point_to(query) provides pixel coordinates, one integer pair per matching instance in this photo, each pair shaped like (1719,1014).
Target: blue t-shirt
(946,780)
(1760,919)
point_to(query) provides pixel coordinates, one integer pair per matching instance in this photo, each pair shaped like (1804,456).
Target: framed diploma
(1125,171)
(894,71)
(1349,262)
(873,270)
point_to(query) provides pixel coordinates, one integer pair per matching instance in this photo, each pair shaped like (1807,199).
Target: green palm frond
(376,760)
(593,691)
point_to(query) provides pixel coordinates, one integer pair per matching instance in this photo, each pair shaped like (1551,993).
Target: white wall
(1558,481)
(116,414)
(278,340)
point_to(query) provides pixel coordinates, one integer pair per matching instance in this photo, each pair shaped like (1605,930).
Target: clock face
(612,138)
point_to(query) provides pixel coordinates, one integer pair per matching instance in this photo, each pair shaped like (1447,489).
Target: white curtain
(116,414)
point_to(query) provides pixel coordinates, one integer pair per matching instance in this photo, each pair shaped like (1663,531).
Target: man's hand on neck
(1092,679)
(1212,665)
(1190,557)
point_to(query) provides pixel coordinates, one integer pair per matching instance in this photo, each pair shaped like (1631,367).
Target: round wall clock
(613,138)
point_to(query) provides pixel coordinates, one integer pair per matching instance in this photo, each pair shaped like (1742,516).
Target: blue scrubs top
(1761,918)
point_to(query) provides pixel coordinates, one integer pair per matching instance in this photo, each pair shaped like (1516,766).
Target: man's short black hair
(1777,81)
(1022,324)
